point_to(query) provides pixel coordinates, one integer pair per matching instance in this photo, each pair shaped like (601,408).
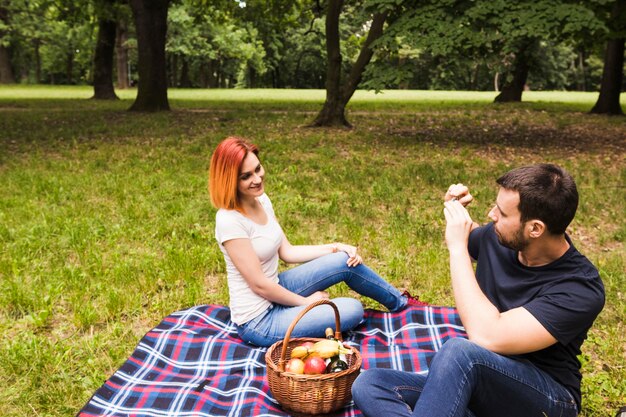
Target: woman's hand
(354,258)
(458,226)
(317,296)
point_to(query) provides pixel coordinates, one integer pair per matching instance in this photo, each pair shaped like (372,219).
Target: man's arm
(511,332)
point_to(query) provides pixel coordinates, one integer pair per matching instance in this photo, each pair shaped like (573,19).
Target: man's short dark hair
(546,192)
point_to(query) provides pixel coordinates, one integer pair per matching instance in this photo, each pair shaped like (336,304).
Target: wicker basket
(310,394)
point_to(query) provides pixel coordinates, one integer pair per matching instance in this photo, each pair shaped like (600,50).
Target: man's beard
(517,242)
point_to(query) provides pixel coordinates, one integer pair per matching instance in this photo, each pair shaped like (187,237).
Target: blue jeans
(317,275)
(464,380)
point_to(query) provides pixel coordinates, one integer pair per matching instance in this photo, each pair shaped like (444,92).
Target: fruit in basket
(314,365)
(302,351)
(326,348)
(329,348)
(295,366)
(299,352)
(308,345)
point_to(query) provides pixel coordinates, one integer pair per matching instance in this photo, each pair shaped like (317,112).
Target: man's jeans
(317,275)
(464,380)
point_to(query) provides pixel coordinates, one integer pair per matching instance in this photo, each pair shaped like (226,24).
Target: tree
(208,47)
(526,25)
(24,27)
(522,61)
(480,37)
(6,71)
(151,25)
(613,73)
(103,57)
(279,25)
(339,91)
(121,53)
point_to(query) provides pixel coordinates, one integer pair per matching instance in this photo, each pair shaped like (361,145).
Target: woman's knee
(350,312)
(337,260)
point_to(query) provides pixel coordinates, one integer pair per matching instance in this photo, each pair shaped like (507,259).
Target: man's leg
(387,392)
(464,376)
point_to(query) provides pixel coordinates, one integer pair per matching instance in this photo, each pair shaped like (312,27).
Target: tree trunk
(37,62)
(211,73)
(204,75)
(474,77)
(151,25)
(172,64)
(276,82)
(69,67)
(338,95)
(333,111)
(512,91)
(103,60)
(6,71)
(612,76)
(365,56)
(122,55)
(253,77)
(222,81)
(185,79)
(613,72)
(582,82)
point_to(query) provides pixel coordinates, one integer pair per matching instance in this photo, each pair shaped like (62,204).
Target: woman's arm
(247,263)
(294,254)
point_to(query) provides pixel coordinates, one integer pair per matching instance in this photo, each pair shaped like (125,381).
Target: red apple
(314,365)
(295,366)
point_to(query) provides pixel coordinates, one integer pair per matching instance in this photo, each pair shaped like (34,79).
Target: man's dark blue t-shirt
(565,296)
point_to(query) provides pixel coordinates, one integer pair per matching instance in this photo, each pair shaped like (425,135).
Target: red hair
(224,171)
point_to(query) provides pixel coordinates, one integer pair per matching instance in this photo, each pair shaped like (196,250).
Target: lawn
(106,225)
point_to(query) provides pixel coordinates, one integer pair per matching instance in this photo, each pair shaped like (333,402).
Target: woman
(264,302)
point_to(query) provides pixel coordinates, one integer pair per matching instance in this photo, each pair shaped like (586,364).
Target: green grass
(106,227)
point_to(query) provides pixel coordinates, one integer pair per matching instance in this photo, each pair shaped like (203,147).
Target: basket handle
(281,360)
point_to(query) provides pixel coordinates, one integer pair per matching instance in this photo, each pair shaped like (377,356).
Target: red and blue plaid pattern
(194,364)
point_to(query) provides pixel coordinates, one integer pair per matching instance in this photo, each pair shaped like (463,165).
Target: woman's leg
(272,325)
(318,275)
(326,271)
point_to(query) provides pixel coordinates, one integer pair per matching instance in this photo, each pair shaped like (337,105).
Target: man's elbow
(488,342)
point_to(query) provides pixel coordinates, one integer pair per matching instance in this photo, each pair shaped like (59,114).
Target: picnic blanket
(194,363)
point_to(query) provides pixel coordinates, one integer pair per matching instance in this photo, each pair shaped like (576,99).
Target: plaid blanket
(194,364)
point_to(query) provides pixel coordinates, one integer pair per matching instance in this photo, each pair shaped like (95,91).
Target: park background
(364,112)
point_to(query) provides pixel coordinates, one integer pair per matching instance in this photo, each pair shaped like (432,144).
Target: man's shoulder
(483,230)
(580,262)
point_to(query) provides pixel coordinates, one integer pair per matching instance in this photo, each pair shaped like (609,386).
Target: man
(526,310)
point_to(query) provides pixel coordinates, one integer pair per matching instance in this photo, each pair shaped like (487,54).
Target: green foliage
(200,35)
(448,44)
(459,37)
(54,40)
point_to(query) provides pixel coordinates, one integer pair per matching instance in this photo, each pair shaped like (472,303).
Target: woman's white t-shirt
(266,239)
